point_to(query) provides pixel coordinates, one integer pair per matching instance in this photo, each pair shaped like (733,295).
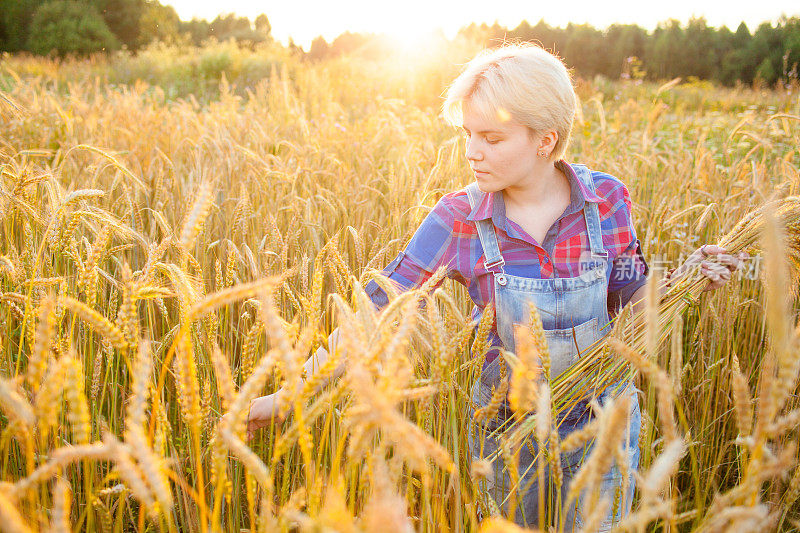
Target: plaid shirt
(448,237)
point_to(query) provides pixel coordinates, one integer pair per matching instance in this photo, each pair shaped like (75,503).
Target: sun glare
(409,41)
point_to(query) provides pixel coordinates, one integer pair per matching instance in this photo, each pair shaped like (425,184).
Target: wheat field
(180,229)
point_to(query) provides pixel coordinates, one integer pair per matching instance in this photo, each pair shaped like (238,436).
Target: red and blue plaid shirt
(448,237)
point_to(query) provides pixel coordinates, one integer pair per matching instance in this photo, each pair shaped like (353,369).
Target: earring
(541,153)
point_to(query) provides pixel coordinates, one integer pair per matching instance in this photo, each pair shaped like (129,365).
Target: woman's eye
(492,141)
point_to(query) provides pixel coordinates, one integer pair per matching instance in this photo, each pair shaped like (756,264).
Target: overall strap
(493,259)
(591,214)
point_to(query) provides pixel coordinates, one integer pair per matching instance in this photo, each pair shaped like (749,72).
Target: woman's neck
(543,188)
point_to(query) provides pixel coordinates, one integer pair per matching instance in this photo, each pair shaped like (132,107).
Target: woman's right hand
(264,411)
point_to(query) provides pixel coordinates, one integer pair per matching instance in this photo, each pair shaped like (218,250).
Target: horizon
(331,20)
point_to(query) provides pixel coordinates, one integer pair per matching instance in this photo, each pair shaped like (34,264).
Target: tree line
(62,27)
(771,53)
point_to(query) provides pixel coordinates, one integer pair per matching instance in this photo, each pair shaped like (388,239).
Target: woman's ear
(548,141)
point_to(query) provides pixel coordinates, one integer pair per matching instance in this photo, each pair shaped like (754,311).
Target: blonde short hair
(519,81)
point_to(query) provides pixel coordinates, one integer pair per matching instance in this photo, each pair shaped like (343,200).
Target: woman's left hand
(715,263)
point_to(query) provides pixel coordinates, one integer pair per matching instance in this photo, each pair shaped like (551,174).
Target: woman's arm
(265,410)
(718,272)
(432,245)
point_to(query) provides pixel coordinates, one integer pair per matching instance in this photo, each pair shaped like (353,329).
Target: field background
(135,186)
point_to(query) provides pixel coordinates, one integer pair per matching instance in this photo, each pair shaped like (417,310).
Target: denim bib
(573,310)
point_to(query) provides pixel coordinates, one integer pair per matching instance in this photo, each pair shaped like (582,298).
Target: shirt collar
(579,193)
(492,205)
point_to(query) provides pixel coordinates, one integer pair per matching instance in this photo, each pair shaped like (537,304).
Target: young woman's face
(502,153)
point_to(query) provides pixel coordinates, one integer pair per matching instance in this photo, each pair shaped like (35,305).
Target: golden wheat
(160,267)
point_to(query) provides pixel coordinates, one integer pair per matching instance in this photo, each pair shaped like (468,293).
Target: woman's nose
(472,151)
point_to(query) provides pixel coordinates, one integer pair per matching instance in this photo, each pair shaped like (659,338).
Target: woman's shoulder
(608,187)
(455,203)
(611,191)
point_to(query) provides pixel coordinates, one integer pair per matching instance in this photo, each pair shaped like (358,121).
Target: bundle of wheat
(600,367)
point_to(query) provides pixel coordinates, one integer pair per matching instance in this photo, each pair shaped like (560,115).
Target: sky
(302,20)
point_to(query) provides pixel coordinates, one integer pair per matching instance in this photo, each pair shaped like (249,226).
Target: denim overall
(574,316)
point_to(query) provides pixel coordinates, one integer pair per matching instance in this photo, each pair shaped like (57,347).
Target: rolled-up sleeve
(629,268)
(376,292)
(628,273)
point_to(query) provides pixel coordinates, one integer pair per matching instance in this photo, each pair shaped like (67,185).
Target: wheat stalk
(12,519)
(196,216)
(98,322)
(62,499)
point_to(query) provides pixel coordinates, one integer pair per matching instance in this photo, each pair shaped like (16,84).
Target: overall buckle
(500,275)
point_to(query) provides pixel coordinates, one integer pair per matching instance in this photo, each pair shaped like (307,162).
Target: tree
(553,39)
(197,29)
(741,38)
(625,41)
(123,18)
(585,49)
(473,33)
(699,49)
(64,27)
(791,41)
(766,49)
(346,43)
(766,71)
(664,54)
(263,26)
(230,26)
(523,31)
(158,23)
(294,50)
(319,49)
(738,62)
(15,20)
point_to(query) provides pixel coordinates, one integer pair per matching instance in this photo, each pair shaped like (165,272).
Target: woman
(531,229)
